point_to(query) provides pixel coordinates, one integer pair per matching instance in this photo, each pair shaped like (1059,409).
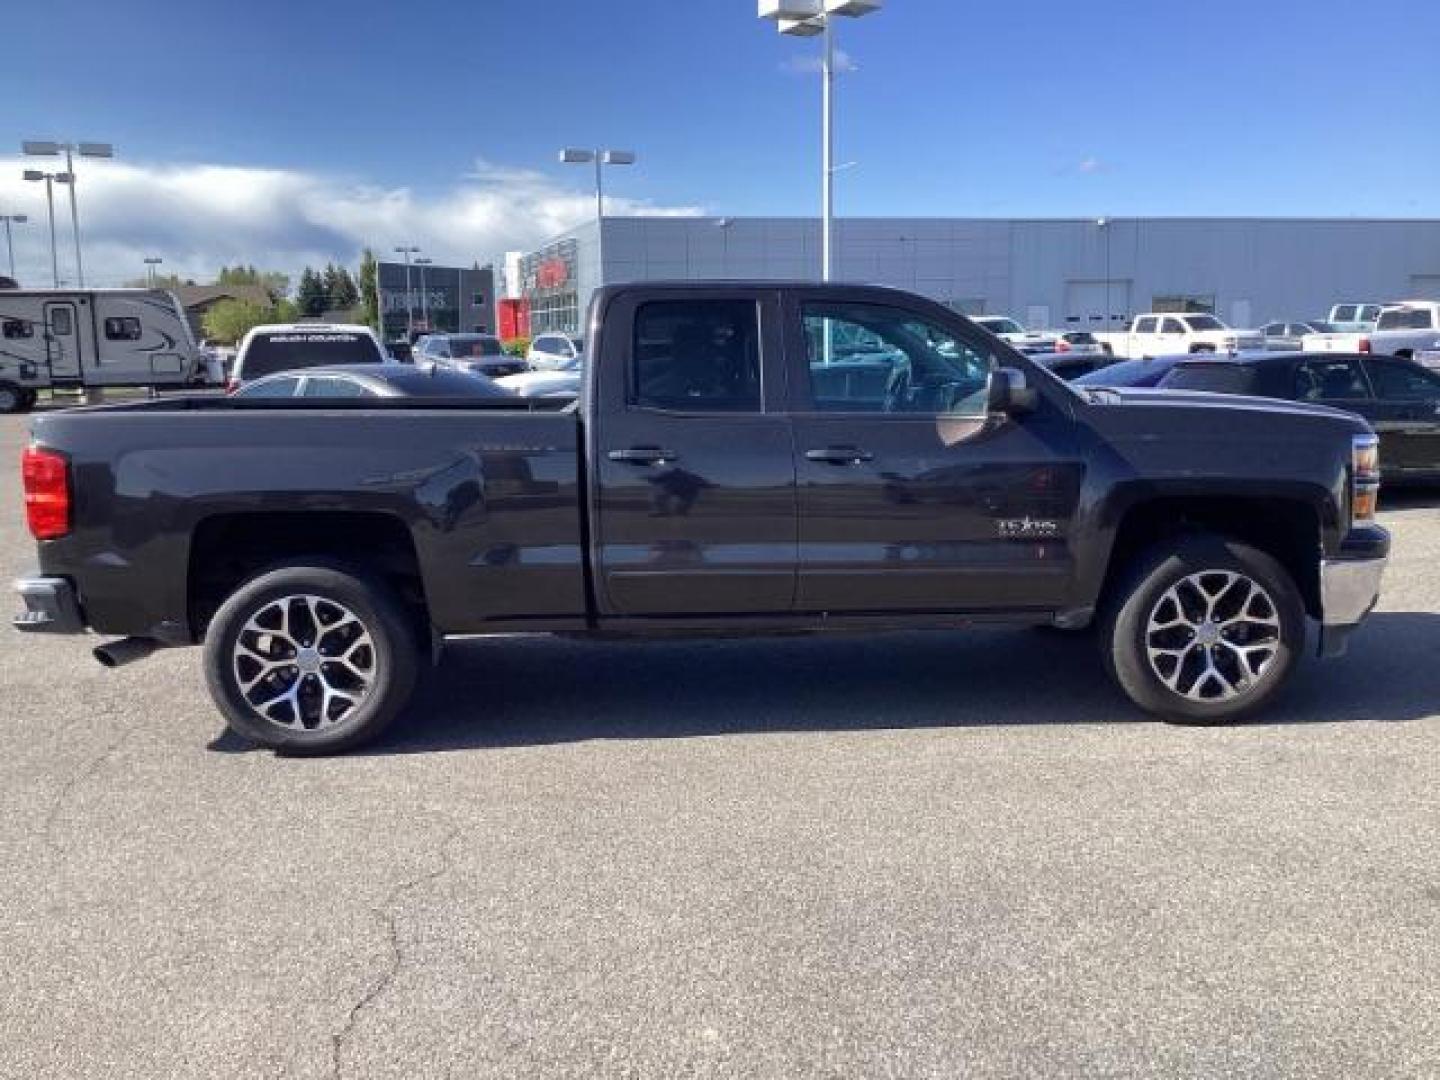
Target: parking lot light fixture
(34,148)
(598,158)
(809,18)
(50,180)
(424,300)
(12,219)
(407,250)
(151,262)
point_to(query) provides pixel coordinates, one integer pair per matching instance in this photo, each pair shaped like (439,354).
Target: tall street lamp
(9,219)
(407,251)
(807,18)
(51,179)
(599,158)
(424,301)
(85,150)
(151,262)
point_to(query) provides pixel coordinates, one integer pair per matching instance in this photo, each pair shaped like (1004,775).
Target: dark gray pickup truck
(745,458)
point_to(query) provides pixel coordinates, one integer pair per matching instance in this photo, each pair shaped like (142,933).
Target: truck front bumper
(51,607)
(1350,586)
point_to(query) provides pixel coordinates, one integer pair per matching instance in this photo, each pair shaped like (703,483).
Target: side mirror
(1010,393)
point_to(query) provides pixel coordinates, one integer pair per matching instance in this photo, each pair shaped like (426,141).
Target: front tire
(311,659)
(1206,630)
(12,398)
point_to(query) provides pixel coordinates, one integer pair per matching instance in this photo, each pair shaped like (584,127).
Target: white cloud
(198,217)
(1091,165)
(811,65)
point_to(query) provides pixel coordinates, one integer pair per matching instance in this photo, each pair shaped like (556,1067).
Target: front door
(1406,414)
(62,339)
(912,498)
(695,501)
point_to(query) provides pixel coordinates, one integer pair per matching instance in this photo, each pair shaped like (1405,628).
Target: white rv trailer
(92,339)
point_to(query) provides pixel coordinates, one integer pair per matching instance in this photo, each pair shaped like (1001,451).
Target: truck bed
(486,494)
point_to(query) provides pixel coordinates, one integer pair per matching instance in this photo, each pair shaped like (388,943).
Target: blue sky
(954,107)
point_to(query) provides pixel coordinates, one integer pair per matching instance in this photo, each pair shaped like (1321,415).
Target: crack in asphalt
(388,913)
(80,776)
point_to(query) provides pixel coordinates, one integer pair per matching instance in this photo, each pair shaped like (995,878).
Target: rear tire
(12,398)
(1205,630)
(311,659)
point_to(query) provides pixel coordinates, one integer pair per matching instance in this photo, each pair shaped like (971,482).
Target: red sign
(552,273)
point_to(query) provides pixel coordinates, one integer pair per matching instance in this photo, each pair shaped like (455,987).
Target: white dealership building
(1078,272)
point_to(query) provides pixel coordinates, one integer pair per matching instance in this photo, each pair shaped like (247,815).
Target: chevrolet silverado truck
(728,469)
(1158,334)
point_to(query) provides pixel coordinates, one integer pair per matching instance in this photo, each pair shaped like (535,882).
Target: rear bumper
(51,607)
(1350,586)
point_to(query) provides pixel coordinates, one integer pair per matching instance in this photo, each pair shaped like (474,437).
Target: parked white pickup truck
(1012,333)
(1406,328)
(1352,318)
(1161,334)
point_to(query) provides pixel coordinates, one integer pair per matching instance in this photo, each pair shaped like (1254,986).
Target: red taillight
(232,386)
(1364,344)
(46,479)
(1062,345)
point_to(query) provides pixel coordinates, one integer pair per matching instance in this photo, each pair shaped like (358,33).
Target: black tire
(12,398)
(355,710)
(1252,659)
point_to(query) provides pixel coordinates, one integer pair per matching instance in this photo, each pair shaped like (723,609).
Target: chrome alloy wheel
(304,662)
(1212,635)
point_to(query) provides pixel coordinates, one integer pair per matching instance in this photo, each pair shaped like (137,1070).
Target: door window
(1146,326)
(697,356)
(1172,326)
(1330,380)
(1401,382)
(61,324)
(875,358)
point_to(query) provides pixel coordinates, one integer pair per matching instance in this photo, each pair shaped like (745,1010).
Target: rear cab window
(291,350)
(1406,319)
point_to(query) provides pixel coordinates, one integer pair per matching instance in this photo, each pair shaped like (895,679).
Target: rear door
(1406,414)
(62,339)
(694,501)
(912,498)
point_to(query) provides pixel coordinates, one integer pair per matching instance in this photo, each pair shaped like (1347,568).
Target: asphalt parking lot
(920,855)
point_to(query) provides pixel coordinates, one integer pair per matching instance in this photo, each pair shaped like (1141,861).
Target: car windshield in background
(1404,319)
(1321,327)
(1002,326)
(1214,378)
(1141,373)
(462,345)
(1080,337)
(1204,322)
(269,353)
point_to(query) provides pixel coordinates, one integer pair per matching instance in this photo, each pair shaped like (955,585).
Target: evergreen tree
(369,290)
(310,297)
(346,294)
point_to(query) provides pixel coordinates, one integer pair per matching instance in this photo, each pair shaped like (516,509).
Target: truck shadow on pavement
(535,691)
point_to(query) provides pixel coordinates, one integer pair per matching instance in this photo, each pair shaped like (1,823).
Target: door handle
(643,455)
(840,455)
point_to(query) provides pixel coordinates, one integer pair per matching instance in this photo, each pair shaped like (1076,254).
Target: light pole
(151,262)
(17,219)
(85,150)
(51,179)
(424,300)
(807,18)
(407,251)
(1104,226)
(599,158)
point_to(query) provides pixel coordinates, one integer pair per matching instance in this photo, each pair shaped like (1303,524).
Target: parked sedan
(481,354)
(387,381)
(1400,398)
(1290,336)
(554,352)
(1137,373)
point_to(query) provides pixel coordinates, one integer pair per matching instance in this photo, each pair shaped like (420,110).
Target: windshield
(1140,373)
(1214,378)
(288,351)
(1404,319)
(1204,322)
(1001,326)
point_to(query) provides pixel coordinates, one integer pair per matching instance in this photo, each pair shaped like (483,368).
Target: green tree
(345,295)
(276,283)
(227,321)
(369,290)
(311,297)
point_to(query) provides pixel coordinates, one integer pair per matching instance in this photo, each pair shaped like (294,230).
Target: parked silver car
(480,354)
